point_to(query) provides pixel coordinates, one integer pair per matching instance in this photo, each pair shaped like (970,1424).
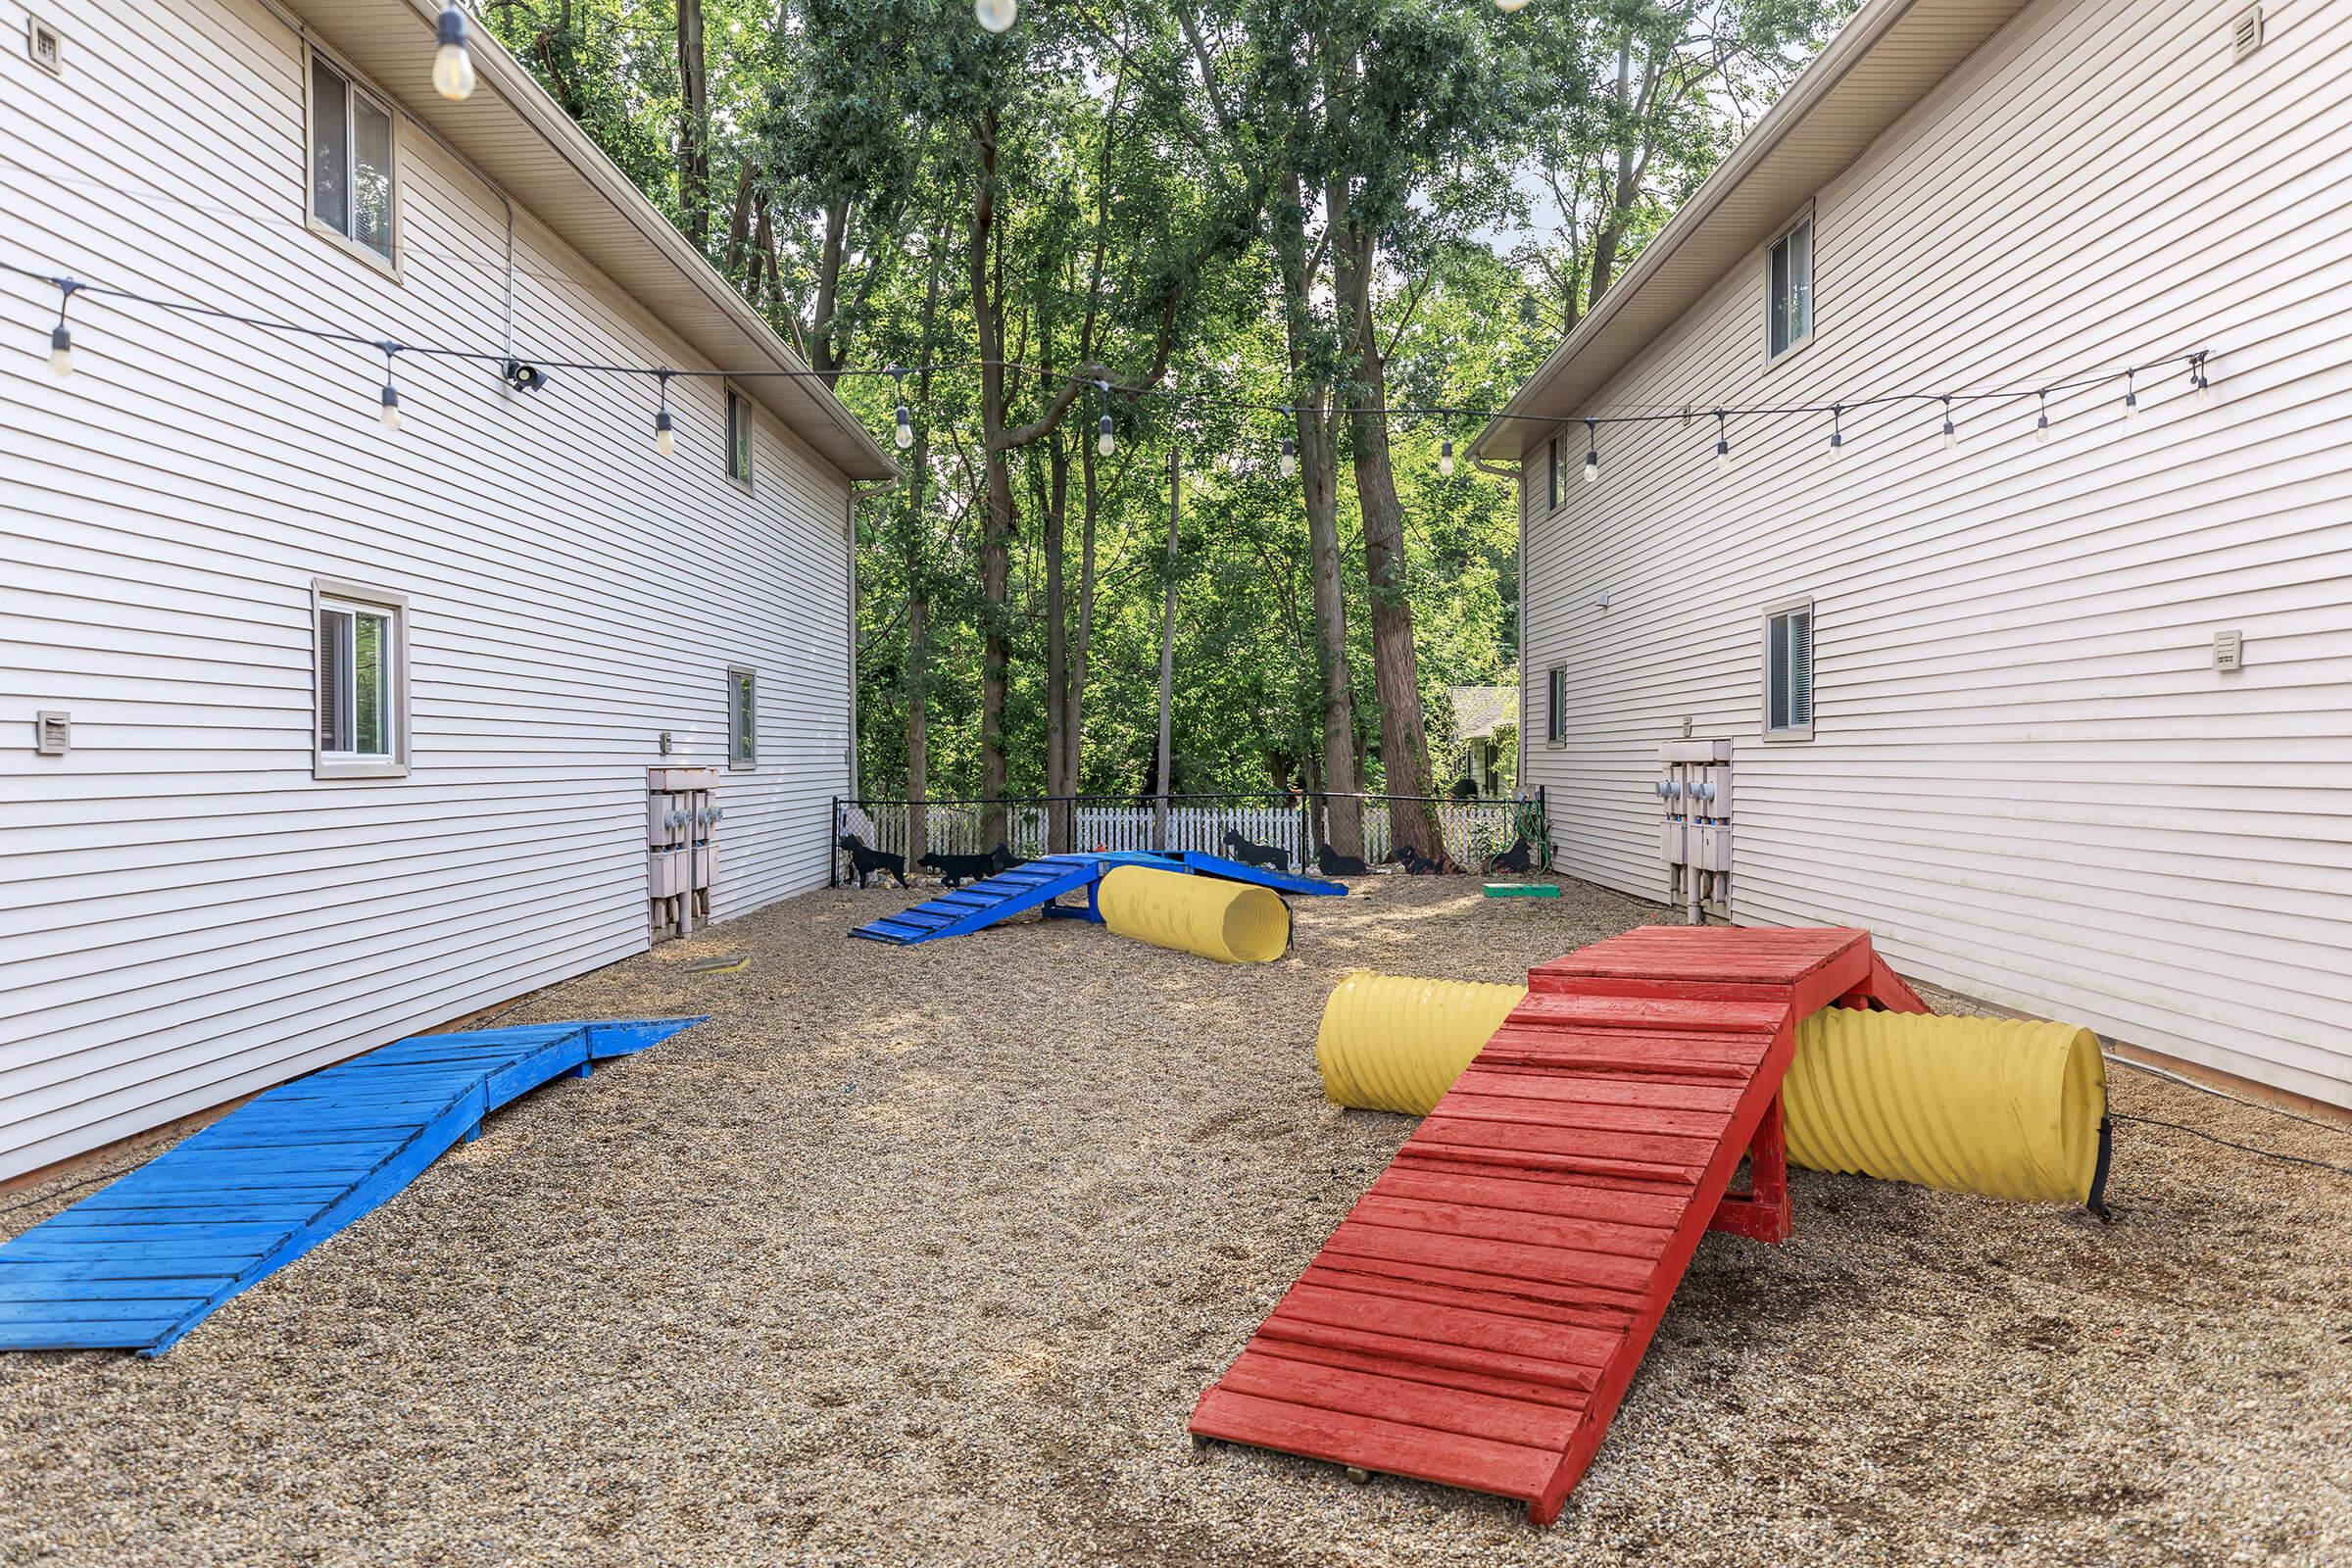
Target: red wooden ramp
(1476,1318)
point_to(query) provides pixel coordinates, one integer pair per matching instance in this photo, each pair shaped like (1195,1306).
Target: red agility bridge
(1476,1318)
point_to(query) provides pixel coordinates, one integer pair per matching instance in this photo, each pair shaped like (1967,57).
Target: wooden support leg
(1762,1212)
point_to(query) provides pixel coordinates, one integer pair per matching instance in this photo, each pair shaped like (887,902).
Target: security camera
(525,377)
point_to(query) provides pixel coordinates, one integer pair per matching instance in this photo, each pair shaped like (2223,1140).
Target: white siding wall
(2027,780)
(185,915)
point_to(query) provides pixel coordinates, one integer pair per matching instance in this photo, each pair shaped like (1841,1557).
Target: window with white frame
(350,161)
(1555,706)
(1788,672)
(743,717)
(361,682)
(738,438)
(1789,280)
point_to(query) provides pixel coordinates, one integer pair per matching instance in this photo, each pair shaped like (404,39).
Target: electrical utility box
(1695,838)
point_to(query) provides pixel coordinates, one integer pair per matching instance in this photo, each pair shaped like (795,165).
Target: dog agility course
(1476,1317)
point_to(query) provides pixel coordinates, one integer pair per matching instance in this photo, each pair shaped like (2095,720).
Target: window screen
(356,653)
(351,160)
(739,437)
(743,718)
(1788,670)
(1792,287)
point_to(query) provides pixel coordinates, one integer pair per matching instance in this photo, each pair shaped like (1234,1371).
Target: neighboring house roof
(519,137)
(1889,57)
(1477,711)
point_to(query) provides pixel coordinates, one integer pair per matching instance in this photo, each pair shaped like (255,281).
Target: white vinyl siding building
(2018,764)
(257,856)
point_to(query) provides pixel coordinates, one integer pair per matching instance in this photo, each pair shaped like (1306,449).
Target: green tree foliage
(1246,218)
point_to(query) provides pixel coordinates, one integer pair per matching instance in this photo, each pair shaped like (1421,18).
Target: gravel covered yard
(922,1255)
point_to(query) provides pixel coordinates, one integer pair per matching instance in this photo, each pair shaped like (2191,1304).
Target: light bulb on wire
(1105,442)
(1445,458)
(1290,456)
(2131,400)
(453,60)
(60,337)
(1951,432)
(1591,452)
(995,14)
(1510,7)
(2197,380)
(2042,422)
(1723,443)
(389,401)
(665,437)
(905,434)
(1836,430)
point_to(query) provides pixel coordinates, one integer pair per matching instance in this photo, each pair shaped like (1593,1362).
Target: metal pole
(1167,657)
(832,846)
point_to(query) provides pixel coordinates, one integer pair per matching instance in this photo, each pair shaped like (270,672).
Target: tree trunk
(825,348)
(1319,481)
(739,230)
(1167,666)
(1395,667)
(1609,237)
(918,584)
(988,324)
(1055,528)
(694,126)
(1073,728)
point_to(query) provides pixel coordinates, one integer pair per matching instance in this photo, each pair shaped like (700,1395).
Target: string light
(61,345)
(1723,443)
(452,61)
(2131,400)
(1445,458)
(905,434)
(1510,7)
(391,394)
(61,338)
(995,15)
(2042,422)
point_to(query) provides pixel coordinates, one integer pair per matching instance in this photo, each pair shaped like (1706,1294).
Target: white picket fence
(1473,830)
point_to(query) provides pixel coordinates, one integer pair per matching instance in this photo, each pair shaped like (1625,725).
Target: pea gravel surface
(921,1256)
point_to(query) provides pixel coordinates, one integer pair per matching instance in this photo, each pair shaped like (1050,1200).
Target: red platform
(1476,1317)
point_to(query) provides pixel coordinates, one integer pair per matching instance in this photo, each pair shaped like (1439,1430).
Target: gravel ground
(922,1255)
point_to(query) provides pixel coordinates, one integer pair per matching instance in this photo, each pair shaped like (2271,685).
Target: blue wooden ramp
(141,1261)
(1036,884)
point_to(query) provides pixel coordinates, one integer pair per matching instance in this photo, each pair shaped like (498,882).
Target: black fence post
(833,848)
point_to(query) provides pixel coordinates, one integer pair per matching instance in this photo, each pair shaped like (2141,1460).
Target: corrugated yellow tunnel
(2001,1107)
(1236,922)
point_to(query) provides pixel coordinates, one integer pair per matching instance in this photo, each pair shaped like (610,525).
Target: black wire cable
(2247,1148)
(2194,359)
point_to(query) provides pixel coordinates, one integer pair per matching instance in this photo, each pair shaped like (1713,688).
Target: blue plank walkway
(144,1260)
(1036,884)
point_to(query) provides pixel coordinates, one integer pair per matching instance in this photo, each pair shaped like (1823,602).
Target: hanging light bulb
(2042,422)
(1105,442)
(995,15)
(390,400)
(1951,433)
(452,61)
(2196,377)
(1836,430)
(61,338)
(2131,400)
(1290,454)
(1510,7)
(905,434)
(1591,452)
(1723,443)
(666,440)
(1445,458)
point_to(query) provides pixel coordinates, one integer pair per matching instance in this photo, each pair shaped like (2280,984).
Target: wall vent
(44,46)
(2245,32)
(52,733)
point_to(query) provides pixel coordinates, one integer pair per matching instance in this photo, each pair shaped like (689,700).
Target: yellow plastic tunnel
(2006,1107)
(1236,922)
